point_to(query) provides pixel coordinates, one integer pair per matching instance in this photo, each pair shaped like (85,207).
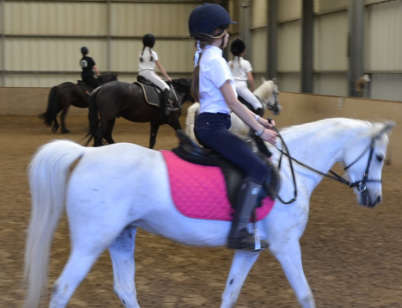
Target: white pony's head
(268,93)
(364,159)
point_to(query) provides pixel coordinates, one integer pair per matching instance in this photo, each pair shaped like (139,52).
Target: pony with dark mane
(62,96)
(127,100)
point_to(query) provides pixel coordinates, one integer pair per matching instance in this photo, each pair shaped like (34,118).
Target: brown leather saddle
(153,94)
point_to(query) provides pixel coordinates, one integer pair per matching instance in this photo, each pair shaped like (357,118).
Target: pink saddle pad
(200,191)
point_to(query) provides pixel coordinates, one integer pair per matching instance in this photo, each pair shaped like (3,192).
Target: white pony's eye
(379,157)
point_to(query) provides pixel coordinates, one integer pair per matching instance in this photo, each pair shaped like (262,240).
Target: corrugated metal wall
(259,37)
(331,27)
(330,53)
(383,42)
(43,38)
(289,44)
(1,42)
(47,18)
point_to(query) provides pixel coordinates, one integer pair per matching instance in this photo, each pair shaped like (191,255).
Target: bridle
(360,185)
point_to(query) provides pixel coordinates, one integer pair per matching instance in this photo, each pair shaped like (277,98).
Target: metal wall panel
(49,80)
(289,82)
(1,57)
(34,80)
(175,55)
(289,47)
(325,6)
(383,37)
(46,18)
(330,42)
(289,10)
(136,19)
(259,13)
(331,84)
(32,54)
(386,86)
(259,50)
(375,1)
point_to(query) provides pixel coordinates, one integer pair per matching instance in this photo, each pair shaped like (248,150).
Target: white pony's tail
(192,112)
(48,175)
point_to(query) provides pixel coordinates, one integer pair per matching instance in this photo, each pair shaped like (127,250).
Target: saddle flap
(152,93)
(190,151)
(200,191)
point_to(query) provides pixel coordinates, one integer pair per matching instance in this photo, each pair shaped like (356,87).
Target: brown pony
(122,99)
(62,96)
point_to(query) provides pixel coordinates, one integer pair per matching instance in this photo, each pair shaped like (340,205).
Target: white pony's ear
(385,128)
(262,79)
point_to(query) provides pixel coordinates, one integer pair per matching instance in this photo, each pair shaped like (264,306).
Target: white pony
(267,92)
(110,191)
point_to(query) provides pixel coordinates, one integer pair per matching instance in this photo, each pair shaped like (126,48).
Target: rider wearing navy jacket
(214,88)
(89,69)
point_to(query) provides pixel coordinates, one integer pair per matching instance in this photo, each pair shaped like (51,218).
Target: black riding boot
(165,103)
(239,237)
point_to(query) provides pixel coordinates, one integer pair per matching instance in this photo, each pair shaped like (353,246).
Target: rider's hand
(268,123)
(269,135)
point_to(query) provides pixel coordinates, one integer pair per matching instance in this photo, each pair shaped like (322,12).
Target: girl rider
(214,88)
(148,60)
(242,73)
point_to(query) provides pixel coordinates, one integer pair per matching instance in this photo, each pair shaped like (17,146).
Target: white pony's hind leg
(122,255)
(289,256)
(242,263)
(74,272)
(90,236)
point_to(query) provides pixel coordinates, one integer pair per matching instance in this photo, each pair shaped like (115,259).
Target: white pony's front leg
(289,256)
(122,255)
(242,262)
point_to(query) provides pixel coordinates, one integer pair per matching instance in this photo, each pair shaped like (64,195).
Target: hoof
(65,131)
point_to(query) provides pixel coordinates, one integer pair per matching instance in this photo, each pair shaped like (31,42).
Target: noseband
(361,185)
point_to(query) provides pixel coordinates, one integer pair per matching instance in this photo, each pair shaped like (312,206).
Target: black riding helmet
(84,50)
(148,40)
(206,18)
(237,47)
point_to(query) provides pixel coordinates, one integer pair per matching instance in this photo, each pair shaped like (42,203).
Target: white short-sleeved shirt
(147,64)
(214,72)
(240,68)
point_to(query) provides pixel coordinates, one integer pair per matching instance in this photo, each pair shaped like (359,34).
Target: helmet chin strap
(221,36)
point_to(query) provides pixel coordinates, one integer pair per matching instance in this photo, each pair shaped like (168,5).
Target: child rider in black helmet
(213,87)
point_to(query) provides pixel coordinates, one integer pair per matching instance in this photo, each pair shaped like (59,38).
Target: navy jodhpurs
(212,131)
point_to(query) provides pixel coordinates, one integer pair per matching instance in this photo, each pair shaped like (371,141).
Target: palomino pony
(62,96)
(105,206)
(122,99)
(267,92)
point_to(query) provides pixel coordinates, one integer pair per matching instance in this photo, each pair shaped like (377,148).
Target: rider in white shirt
(214,88)
(242,73)
(148,59)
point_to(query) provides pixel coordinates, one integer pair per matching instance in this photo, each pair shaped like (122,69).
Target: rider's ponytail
(195,91)
(142,54)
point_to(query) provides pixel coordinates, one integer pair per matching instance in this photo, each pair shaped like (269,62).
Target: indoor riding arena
(352,255)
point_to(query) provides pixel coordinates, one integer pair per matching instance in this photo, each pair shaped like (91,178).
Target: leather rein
(360,185)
